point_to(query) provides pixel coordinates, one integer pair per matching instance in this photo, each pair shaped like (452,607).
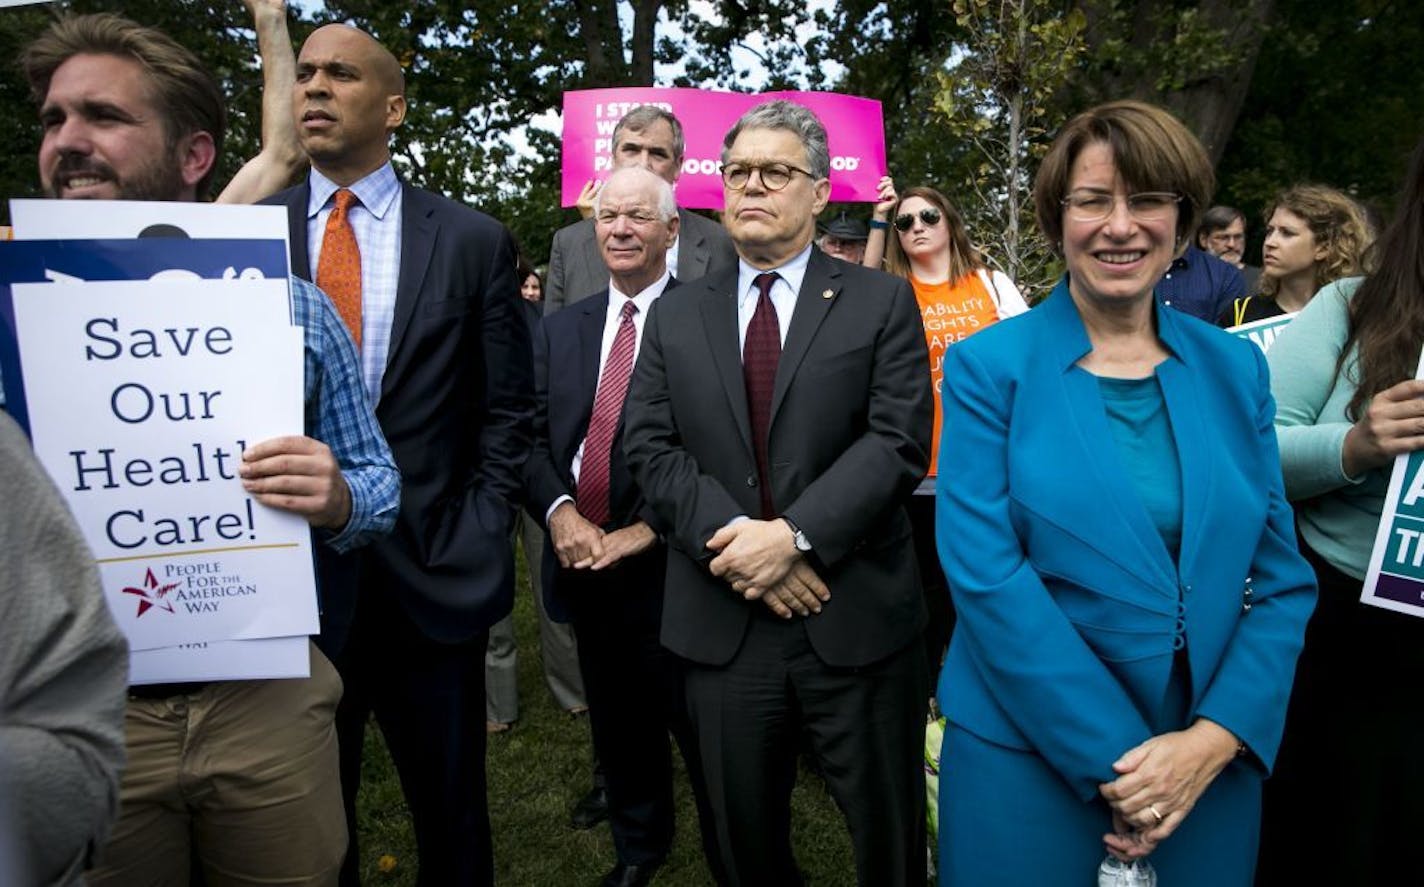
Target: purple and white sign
(855,130)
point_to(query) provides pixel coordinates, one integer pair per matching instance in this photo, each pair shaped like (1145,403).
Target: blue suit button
(1178,642)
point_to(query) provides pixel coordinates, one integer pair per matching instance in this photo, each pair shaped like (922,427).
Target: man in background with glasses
(1222,233)
(1196,282)
(778,418)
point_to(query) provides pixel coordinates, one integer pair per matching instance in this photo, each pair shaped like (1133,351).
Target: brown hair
(185,94)
(962,257)
(1152,150)
(1387,311)
(1336,222)
(1216,219)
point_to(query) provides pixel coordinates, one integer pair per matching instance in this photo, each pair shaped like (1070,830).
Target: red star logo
(152,594)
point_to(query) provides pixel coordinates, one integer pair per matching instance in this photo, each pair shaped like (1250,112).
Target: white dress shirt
(783,293)
(376,219)
(611,320)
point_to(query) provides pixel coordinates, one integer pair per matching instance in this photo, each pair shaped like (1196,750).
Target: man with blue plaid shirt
(239,778)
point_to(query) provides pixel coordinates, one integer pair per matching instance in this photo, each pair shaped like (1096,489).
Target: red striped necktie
(595,468)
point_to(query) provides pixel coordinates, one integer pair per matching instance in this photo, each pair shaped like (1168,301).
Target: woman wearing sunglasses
(1117,539)
(958,296)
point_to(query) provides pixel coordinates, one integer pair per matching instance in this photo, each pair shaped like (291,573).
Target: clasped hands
(759,560)
(579,544)
(1159,782)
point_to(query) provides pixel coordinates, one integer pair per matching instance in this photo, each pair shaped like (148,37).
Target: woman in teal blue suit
(1118,546)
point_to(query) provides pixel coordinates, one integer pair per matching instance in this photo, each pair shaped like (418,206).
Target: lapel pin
(828,294)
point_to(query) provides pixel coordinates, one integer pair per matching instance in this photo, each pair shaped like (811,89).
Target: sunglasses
(929,215)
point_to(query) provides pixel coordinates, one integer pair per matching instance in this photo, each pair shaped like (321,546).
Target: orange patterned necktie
(338,271)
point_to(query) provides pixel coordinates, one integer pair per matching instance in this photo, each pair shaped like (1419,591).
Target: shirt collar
(376,191)
(793,272)
(643,298)
(1070,337)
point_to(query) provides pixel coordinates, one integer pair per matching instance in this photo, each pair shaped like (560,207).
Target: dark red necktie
(603,424)
(760,354)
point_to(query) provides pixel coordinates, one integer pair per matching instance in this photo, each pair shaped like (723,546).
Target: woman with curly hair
(1314,235)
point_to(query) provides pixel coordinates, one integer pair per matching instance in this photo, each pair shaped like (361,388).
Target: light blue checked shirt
(377,223)
(339,415)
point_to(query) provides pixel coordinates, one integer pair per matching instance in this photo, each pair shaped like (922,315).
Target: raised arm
(880,224)
(281,156)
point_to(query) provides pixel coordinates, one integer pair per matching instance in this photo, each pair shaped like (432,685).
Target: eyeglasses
(1145,206)
(929,215)
(774,176)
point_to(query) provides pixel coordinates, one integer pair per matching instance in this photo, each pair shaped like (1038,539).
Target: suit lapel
(1089,460)
(418,234)
(590,343)
(297,232)
(1189,429)
(593,262)
(1141,550)
(719,321)
(812,306)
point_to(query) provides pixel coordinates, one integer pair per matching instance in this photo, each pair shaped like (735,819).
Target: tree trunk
(1208,102)
(645,23)
(603,43)
(1211,105)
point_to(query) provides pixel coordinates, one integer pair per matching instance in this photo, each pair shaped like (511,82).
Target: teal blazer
(1070,608)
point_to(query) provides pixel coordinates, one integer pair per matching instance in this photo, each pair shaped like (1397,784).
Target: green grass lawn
(537,771)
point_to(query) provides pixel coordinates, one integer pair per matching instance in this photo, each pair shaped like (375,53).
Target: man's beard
(159,179)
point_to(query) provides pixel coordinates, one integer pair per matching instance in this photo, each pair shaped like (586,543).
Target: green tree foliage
(892,51)
(1196,58)
(1337,98)
(999,95)
(1326,91)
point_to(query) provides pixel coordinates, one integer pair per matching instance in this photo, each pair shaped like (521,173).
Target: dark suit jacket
(577,271)
(456,403)
(848,442)
(566,371)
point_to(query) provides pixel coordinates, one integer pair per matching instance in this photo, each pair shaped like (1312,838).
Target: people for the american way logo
(152,595)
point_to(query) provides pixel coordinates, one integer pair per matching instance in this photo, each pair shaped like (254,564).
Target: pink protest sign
(854,129)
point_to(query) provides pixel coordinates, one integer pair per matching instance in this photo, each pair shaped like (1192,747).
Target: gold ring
(1152,808)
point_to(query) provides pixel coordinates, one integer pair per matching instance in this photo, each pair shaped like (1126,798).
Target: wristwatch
(799,538)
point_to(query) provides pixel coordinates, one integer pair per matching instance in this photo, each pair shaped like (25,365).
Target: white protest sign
(1262,333)
(142,396)
(90,220)
(222,661)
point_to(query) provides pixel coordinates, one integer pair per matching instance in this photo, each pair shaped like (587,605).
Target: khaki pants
(241,776)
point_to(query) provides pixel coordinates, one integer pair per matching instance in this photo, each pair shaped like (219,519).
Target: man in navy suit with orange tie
(428,288)
(604,561)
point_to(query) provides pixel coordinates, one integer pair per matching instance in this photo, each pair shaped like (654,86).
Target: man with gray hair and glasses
(778,420)
(650,137)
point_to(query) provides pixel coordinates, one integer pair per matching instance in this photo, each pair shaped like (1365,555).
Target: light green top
(1338,515)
